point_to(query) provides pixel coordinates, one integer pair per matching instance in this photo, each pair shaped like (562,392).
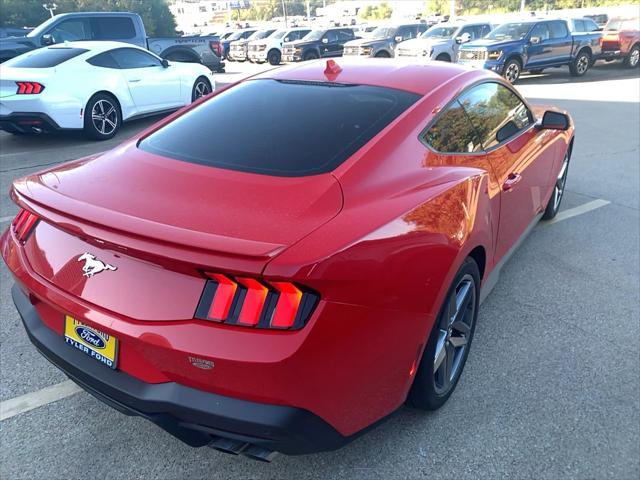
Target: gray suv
(382,41)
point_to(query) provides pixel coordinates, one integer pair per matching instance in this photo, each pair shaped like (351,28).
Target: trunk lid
(160,222)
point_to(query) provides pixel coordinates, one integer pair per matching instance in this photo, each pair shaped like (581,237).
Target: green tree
(376,12)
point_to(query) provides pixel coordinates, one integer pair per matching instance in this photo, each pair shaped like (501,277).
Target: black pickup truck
(115,26)
(318,44)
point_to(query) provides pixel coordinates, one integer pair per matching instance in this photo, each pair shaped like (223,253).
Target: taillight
(256,303)
(23,224)
(29,88)
(216,47)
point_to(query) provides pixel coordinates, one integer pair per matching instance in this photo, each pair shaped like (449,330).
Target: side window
(331,36)
(496,112)
(559,29)
(70,30)
(345,35)
(247,34)
(132,58)
(590,26)
(453,132)
(469,30)
(422,28)
(105,60)
(578,26)
(541,30)
(406,33)
(113,28)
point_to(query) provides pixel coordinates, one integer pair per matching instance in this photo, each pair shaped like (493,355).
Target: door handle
(134,80)
(510,182)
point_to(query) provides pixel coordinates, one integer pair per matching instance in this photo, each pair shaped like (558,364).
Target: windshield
(510,31)
(383,32)
(236,35)
(278,34)
(252,117)
(260,34)
(440,32)
(40,29)
(315,35)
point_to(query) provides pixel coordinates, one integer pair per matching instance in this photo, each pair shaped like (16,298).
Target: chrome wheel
(558,191)
(512,73)
(583,64)
(104,117)
(454,333)
(200,89)
(634,57)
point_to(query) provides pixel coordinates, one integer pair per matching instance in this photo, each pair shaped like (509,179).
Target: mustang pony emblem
(92,265)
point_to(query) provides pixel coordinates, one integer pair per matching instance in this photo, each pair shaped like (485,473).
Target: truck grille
(289,50)
(473,55)
(253,48)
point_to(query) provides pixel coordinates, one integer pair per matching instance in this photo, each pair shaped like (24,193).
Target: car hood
(366,42)
(486,43)
(200,207)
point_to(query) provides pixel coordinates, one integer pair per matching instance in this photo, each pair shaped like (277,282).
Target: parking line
(579,210)
(24,403)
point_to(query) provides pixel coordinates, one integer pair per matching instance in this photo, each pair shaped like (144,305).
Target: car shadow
(601,71)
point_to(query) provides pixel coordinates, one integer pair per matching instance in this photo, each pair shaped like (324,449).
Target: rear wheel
(581,64)
(201,87)
(633,59)
(558,190)
(274,57)
(512,70)
(102,117)
(448,345)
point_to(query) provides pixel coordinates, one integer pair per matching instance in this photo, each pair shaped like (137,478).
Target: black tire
(382,54)
(426,393)
(201,87)
(580,64)
(274,56)
(632,60)
(310,56)
(553,207)
(102,117)
(512,70)
(443,57)
(537,71)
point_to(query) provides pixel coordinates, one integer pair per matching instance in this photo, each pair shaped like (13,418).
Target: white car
(94,86)
(270,49)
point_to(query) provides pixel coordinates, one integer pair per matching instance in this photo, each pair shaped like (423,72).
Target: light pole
(522,5)
(284,11)
(50,7)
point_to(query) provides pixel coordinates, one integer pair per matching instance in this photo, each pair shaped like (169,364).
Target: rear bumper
(194,416)
(26,122)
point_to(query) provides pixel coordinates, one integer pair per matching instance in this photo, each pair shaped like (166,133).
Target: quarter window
(104,60)
(453,132)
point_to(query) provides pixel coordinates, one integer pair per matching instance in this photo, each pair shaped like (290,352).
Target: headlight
(298,50)
(495,55)
(366,50)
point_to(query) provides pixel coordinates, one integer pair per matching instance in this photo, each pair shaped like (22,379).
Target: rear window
(280,127)
(45,57)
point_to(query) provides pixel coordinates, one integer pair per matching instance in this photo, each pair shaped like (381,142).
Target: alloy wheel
(201,89)
(558,190)
(583,64)
(513,72)
(634,57)
(104,117)
(454,331)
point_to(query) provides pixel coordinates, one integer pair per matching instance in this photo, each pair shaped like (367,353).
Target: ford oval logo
(91,337)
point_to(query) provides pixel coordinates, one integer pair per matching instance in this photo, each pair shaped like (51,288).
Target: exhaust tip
(259,453)
(226,445)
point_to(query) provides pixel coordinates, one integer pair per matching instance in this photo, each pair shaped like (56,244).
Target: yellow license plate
(91,341)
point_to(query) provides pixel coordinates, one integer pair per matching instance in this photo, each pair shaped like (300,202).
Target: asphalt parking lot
(551,388)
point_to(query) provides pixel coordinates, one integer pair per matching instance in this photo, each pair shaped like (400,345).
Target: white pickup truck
(443,40)
(270,49)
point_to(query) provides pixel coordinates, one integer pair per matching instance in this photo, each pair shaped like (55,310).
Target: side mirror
(47,39)
(286,39)
(165,63)
(534,40)
(552,120)
(464,38)
(398,39)
(325,40)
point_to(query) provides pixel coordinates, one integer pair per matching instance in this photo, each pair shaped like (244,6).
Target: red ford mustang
(289,260)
